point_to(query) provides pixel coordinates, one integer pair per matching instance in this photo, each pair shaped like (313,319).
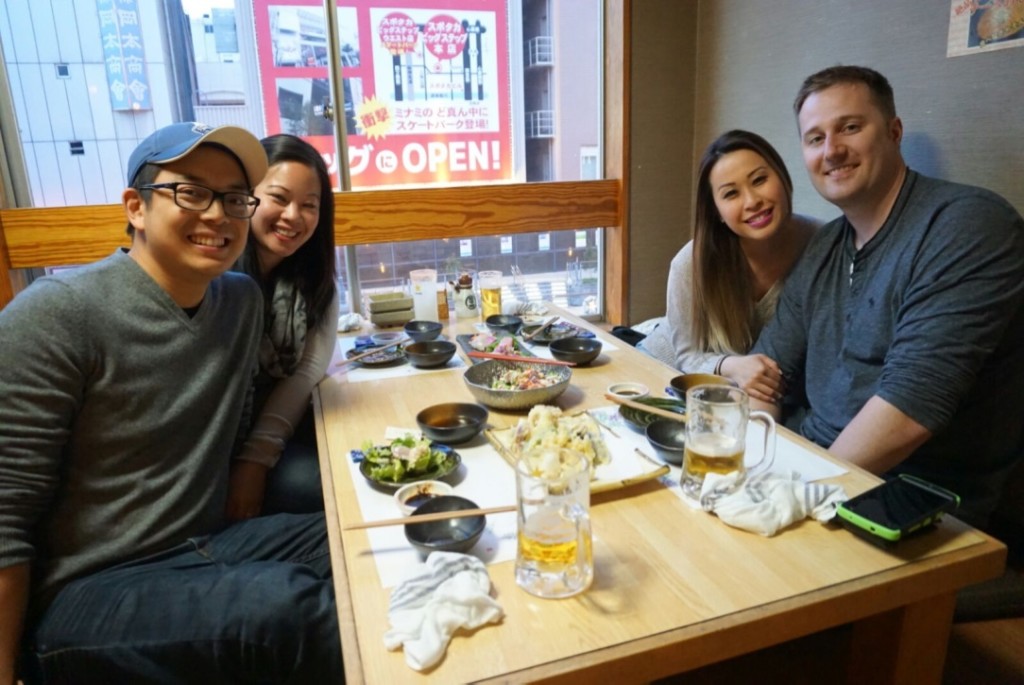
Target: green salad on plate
(407,459)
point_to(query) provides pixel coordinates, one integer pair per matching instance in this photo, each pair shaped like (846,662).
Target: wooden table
(675,588)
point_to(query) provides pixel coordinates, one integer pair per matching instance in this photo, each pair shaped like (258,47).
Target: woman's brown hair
(723,299)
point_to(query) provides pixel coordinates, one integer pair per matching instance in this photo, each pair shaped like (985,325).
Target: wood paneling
(616,156)
(56,236)
(399,215)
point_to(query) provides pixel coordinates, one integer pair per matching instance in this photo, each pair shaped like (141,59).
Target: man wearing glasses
(124,387)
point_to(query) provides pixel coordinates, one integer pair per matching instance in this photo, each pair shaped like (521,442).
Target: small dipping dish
(447,535)
(430,353)
(422,331)
(410,496)
(452,423)
(628,391)
(668,438)
(499,323)
(580,351)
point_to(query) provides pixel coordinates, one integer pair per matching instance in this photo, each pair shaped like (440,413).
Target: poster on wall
(425,83)
(985,25)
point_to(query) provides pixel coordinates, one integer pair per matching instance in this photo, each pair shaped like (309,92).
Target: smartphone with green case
(898,507)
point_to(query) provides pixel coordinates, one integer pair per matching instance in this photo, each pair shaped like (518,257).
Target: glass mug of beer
(490,292)
(554,557)
(716,435)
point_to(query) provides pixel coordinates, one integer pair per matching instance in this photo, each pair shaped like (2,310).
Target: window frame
(40,237)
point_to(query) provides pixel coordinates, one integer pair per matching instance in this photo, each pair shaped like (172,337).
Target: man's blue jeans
(251,604)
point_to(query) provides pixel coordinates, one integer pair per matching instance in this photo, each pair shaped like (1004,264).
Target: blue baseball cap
(177,141)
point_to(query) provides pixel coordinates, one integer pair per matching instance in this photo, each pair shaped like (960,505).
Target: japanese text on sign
(444,37)
(399,33)
(123,54)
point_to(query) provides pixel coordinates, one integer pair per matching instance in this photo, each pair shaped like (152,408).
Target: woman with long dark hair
(724,284)
(290,253)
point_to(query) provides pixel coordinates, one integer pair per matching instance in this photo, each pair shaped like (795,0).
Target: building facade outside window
(433,94)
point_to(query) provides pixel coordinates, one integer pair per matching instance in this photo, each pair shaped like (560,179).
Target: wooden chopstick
(540,330)
(375,350)
(425,518)
(516,358)
(646,407)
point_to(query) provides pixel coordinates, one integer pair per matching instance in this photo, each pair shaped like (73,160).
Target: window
(589,167)
(482,92)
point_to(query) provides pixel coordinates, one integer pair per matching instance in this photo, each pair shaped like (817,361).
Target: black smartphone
(896,508)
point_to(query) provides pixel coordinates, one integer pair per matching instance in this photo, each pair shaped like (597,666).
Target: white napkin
(524,308)
(349,322)
(768,502)
(448,592)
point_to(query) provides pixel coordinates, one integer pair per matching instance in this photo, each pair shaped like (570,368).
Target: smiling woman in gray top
(723,285)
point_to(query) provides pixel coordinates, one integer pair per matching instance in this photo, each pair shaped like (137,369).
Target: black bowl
(449,535)
(421,331)
(680,384)
(668,438)
(504,322)
(452,423)
(430,353)
(579,350)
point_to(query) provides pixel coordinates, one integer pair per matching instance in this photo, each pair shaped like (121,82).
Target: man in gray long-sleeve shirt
(903,323)
(123,387)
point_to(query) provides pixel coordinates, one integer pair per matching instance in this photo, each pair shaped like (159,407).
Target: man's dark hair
(147,174)
(877,84)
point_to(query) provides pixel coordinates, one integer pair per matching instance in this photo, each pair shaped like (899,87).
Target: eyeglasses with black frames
(197,198)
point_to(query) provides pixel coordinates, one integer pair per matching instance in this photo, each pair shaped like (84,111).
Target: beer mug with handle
(554,556)
(716,435)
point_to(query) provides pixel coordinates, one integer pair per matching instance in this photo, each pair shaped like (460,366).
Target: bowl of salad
(407,459)
(516,385)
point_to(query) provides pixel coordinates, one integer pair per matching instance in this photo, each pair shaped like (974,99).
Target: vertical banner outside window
(124,56)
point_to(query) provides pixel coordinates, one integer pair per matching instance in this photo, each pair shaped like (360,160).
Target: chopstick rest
(450,591)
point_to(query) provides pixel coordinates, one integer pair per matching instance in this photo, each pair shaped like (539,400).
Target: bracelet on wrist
(718,366)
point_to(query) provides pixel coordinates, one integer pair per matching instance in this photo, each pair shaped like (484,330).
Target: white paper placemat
(790,457)
(487,479)
(483,477)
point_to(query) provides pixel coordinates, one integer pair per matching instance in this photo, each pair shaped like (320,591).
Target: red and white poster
(425,82)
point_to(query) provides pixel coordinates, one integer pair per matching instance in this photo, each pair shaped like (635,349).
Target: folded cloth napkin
(524,308)
(768,502)
(349,322)
(448,592)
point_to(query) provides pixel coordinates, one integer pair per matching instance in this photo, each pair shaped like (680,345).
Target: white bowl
(628,391)
(412,495)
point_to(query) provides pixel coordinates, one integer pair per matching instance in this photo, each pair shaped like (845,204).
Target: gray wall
(663,74)
(962,116)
